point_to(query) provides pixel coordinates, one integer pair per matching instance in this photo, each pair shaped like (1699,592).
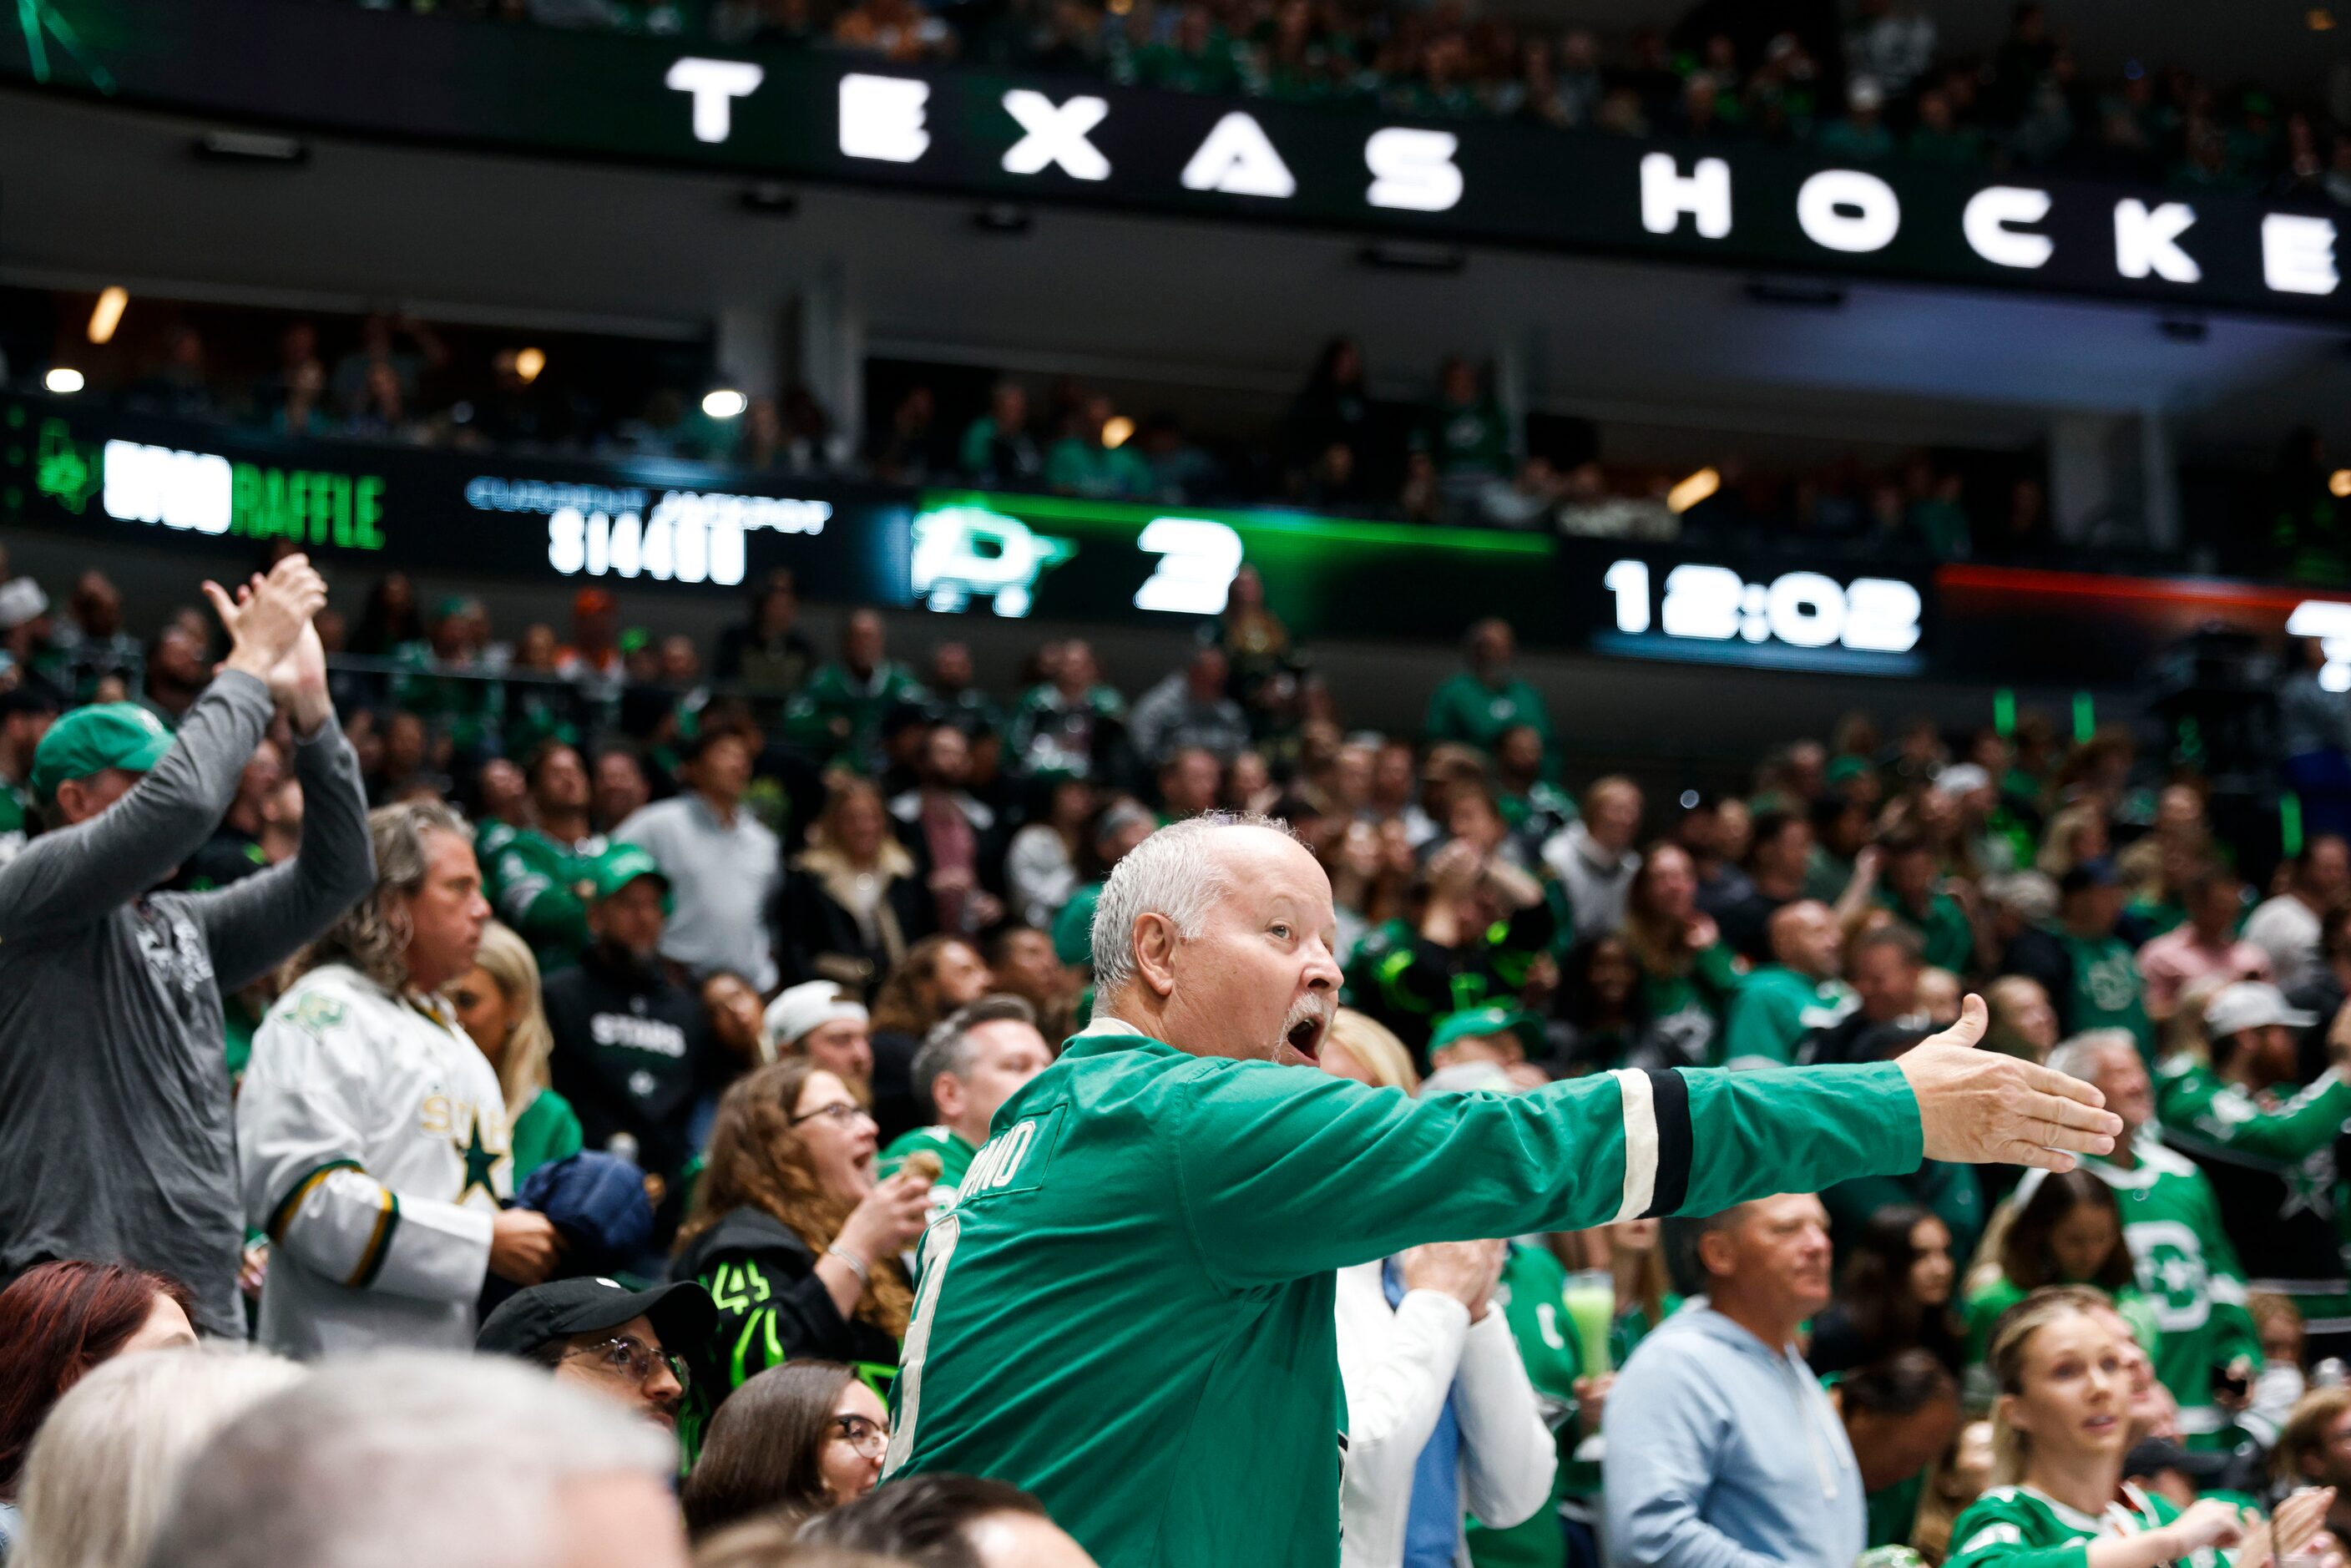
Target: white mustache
(1308,1009)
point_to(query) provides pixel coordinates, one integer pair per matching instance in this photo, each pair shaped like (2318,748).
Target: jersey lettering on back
(1014,1160)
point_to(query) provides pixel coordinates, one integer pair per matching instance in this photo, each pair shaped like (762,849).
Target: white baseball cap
(2250,1004)
(802,1007)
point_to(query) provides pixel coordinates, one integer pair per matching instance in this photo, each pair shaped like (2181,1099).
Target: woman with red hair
(57,1322)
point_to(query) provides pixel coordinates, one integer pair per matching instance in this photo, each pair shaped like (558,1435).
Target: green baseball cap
(92,740)
(620,866)
(1473,1022)
(1073,927)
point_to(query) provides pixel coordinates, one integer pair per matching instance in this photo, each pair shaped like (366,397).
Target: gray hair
(105,1462)
(372,936)
(391,1461)
(2078,1057)
(2031,893)
(1174,872)
(948,1049)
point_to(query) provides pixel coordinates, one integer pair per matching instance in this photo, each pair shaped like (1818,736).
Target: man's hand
(525,1246)
(1982,1107)
(267,622)
(1464,1271)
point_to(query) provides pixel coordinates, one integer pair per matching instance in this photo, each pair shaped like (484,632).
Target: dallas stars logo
(480,1164)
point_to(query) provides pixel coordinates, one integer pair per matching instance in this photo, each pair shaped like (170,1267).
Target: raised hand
(268,616)
(1980,1107)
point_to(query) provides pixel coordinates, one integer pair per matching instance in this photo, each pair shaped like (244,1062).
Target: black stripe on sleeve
(1669,1094)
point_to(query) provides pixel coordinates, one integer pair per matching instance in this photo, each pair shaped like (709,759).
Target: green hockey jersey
(955,1152)
(2016,1527)
(533,882)
(2188,1274)
(1173,1394)
(2273,1169)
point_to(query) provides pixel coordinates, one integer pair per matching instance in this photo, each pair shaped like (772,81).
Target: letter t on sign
(715,84)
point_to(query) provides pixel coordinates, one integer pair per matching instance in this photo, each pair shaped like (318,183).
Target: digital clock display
(1803,619)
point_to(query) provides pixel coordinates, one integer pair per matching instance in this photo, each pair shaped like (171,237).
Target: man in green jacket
(2266,1142)
(1478,705)
(1780,1003)
(1173,1394)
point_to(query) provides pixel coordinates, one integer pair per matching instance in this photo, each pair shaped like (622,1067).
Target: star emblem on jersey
(480,1164)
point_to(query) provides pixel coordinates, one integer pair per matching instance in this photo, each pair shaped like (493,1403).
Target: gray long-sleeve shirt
(116,1142)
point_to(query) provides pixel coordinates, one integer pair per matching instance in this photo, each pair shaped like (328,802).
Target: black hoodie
(633,1052)
(773,1306)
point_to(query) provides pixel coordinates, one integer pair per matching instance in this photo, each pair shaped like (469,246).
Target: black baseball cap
(681,1313)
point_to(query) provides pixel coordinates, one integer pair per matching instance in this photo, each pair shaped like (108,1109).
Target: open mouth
(1305,1036)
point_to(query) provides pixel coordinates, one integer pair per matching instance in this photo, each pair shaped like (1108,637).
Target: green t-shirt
(1775,1007)
(546,1131)
(1532,1296)
(1137,1270)
(1466,710)
(2105,991)
(1949,941)
(2189,1273)
(1684,1011)
(1892,1511)
(2016,1527)
(955,1152)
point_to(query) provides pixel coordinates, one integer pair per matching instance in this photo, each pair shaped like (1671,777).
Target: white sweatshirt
(1397,1365)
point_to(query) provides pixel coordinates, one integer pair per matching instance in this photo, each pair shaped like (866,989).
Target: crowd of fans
(700,1003)
(1876,85)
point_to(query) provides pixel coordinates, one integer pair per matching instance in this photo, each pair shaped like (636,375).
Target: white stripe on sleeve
(1640,1143)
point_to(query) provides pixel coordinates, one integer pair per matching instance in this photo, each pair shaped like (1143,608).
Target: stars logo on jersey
(480,1163)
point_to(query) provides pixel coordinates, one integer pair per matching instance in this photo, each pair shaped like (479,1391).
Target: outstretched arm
(1284,1173)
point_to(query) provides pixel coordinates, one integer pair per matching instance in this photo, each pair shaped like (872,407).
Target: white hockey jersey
(373,1150)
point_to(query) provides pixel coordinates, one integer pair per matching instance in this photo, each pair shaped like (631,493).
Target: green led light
(2003,711)
(1303,525)
(2086,718)
(2290,823)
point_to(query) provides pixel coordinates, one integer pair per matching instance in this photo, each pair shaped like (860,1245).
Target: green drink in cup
(1591,1299)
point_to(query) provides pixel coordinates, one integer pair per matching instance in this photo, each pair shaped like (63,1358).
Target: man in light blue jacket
(1721,1450)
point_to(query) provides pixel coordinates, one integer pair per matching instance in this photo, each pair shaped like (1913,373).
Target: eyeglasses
(864,1436)
(630,1358)
(842,1112)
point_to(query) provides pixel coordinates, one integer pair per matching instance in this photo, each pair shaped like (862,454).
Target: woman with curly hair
(792,1236)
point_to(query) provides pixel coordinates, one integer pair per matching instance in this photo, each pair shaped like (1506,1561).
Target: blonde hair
(1930,1529)
(1374,1045)
(2011,1448)
(529,1043)
(105,1464)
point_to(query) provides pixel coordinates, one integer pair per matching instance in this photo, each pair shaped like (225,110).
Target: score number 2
(1801,608)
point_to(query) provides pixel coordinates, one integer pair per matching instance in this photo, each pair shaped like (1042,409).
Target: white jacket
(1397,1365)
(373,1150)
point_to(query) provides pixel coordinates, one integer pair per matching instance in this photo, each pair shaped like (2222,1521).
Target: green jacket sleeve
(2208,1113)
(1984,1539)
(1282,1173)
(533,900)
